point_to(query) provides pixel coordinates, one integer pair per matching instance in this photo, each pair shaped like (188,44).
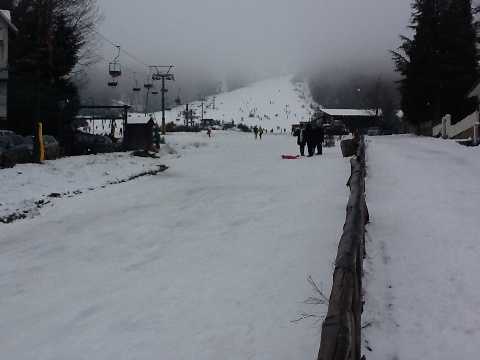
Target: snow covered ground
(26,184)
(207,260)
(272,104)
(423,291)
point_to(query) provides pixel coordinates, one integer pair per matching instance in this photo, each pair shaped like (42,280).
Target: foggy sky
(254,38)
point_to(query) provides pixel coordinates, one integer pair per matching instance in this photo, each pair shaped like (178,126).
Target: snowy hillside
(273,104)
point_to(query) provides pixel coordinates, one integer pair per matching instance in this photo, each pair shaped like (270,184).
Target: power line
(129,54)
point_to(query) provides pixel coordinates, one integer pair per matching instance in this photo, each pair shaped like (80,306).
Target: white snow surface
(278,102)
(25,184)
(422,287)
(207,260)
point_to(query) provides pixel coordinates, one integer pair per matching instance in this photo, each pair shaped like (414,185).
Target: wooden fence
(341,330)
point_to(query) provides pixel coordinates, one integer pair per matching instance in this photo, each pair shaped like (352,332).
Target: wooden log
(349,147)
(341,330)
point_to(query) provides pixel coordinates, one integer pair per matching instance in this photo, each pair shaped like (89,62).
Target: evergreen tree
(459,59)
(439,64)
(52,38)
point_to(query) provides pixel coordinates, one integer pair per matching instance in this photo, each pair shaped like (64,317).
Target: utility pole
(146,101)
(163,73)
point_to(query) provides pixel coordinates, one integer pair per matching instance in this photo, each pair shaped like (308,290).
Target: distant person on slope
(209,132)
(301,140)
(255,131)
(260,133)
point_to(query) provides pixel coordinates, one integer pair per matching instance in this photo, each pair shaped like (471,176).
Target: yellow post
(40,145)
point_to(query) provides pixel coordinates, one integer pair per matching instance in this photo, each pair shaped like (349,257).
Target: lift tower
(163,73)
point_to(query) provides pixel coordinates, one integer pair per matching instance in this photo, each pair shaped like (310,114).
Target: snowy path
(208,260)
(423,291)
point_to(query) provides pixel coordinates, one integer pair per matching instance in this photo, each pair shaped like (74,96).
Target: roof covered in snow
(350,112)
(475,91)
(5,16)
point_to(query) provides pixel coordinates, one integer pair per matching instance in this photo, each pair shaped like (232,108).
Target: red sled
(290,157)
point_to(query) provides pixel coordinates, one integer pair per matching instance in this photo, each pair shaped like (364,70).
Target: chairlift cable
(129,54)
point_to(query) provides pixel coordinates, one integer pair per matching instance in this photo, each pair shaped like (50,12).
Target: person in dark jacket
(301,140)
(320,137)
(255,131)
(310,138)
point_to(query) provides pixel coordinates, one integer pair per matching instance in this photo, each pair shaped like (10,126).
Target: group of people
(312,136)
(258,131)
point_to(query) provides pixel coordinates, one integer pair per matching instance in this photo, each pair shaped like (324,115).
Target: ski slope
(422,294)
(207,261)
(272,104)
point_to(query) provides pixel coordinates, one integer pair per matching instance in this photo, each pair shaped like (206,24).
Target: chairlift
(155,92)
(114,67)
(136,87)
(148,82)
(113,83)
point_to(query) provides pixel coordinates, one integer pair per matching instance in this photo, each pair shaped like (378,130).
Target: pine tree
(53,35)
(439,64)
(459,58)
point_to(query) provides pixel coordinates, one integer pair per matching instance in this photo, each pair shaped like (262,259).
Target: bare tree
(82,16)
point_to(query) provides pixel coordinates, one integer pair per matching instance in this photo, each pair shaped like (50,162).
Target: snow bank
(422,295)
(25,185)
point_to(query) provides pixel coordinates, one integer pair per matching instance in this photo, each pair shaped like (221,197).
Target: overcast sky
(255,37)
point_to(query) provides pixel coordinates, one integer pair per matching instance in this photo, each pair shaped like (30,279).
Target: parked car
(52,147)
(335,129)
(374,131)
(84,144)
(6,132)
(14,149)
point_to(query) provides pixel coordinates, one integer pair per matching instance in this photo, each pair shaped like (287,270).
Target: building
(466,129)
(353,119)
(5,27)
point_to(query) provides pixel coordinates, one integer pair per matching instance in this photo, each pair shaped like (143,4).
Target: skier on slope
(260,133)
(255,131)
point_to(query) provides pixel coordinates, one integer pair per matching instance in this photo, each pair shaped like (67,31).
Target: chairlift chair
(136,87)
(114,67)
(113,83)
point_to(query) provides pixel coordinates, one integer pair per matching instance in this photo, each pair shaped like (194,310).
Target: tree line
(439,63)
(55,40)
(359,87)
